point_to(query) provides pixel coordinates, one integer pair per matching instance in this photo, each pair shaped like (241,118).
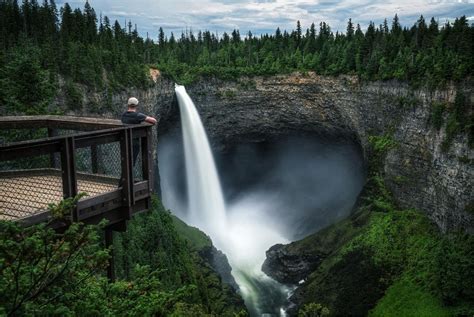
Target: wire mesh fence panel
(35,174)
(29,185)
(109,159)
(98,168)
(83,159)
(137,160)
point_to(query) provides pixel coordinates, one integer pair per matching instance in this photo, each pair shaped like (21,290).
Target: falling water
(206,202)
(240,234)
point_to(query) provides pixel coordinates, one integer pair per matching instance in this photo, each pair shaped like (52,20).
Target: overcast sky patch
(264,16)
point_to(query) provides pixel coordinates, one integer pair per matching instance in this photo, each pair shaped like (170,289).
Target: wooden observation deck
(44,159)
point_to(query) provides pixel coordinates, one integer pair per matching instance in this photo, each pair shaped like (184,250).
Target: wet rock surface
(289,267)
(220,264)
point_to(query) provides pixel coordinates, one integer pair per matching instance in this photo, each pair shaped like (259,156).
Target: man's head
(132,103)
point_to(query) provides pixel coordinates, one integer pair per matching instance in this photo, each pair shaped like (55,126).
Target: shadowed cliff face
(300,184)
(305,182)
(418,173)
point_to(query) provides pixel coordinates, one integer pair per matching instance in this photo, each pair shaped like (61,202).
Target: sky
(264,16)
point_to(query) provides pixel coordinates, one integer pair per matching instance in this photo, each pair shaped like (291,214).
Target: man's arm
(150,120)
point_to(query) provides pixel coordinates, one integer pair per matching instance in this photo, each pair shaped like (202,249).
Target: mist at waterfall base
(275,191)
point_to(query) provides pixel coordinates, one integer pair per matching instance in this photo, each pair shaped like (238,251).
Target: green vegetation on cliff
(394,262)
(43,272)
(388,262)
(172,249)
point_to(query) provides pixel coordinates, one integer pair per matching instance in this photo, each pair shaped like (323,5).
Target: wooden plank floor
(24,194)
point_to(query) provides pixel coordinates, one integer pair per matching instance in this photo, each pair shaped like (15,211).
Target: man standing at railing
(132,116)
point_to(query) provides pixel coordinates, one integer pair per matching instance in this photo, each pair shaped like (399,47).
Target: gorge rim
(274,190)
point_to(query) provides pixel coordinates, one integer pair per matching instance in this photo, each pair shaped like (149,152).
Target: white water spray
(240,234)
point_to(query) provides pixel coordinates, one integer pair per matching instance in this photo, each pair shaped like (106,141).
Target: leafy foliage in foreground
(43,272)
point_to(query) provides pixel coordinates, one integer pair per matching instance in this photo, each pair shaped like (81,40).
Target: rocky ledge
(288,266)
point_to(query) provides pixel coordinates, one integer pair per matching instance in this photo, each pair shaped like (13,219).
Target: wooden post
(126,157)
(68,167)
(147,161)
(109,241)
(131,165)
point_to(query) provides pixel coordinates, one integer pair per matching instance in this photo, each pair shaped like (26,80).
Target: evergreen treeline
(424,53)
(40,42)
(73,43)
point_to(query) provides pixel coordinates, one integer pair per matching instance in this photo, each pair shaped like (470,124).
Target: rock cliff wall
(418,172)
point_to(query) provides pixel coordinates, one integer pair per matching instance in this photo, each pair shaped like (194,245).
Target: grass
(396,238)
(406,298)
(193,236)
(382,143)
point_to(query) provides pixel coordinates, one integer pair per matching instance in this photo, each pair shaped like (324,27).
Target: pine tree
(90,21)
(350,30)
(298,33)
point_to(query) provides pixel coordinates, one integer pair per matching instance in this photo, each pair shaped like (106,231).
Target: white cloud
(266,15)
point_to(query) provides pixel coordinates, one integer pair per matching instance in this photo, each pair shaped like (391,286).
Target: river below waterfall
(257,195)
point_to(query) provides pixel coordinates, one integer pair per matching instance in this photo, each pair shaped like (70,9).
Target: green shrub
(42,271)
(73,96)
(452,274)
(406,298)
(382,144)
(437,111)
(460,120)
(313,310)
(408,102)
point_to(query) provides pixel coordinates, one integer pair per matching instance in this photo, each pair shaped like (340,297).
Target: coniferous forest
(44,43)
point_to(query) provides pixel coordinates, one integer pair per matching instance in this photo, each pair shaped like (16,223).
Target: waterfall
(240,232)
(206,205)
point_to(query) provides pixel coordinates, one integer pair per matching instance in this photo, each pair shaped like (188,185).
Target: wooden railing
(76,161)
